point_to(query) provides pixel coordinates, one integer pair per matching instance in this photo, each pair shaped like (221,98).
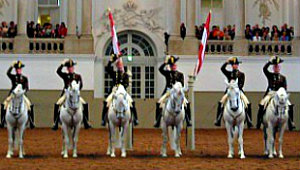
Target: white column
(22,16)
(240,18)
(191,130)
(296,18)
(183,11)
(15,17)
(32,10)
(93,12)
(198,12)
(79,16)
(64,11)
(36,11)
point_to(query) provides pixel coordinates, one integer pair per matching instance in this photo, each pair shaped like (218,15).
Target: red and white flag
(114,37)
(201,53)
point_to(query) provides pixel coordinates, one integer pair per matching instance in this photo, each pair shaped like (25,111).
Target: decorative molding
(264,9)
(3,3)
(130,16)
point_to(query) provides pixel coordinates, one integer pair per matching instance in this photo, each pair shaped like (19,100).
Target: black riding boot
(31,117)
(157,115)
(188,115)
(135,117)
(260,115)
(104,112)
(2,120)
(86,116)
(219,114)
(291,123)
(249,116)
(56,117)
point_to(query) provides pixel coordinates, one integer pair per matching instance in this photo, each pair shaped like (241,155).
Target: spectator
(226,34)
(197,32)
(256,37)
(56,31)
(265,36)
(63,30)
(182,31)
(0,31)
(231,31)
(275,30)
(275,37)
(30,29)
(248,32)
(38,32)
(284,37)
(4,29)
(12,30)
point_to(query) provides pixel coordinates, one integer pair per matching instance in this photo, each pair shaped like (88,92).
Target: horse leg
(10,141)
(265,140)
(230,139)
(21,133)
(109,141)
(240,140)
(165,139)
(112,139)
(177,140)
(123,136)
(274,137)
(283,127)
(66,140)
(270,140)
(75,139)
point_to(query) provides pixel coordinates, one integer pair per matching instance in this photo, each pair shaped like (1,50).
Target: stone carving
(3,3)
(264,8)
(129,16)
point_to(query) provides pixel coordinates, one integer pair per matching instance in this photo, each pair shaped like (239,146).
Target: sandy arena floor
(43,148)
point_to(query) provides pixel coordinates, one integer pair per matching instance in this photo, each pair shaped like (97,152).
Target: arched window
(138,54)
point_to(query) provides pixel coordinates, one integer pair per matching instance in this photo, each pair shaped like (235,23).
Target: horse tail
(172,136)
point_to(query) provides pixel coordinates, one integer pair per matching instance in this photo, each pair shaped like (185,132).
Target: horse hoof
(271,156)
(230,156)
(8,156)
(112,155)
(266,153)
(123,155)
(177,156)
(21,156)
(108,153)
(275,153)
(75,156)
(243,157)
(164,155)
(65,156)
(281,156)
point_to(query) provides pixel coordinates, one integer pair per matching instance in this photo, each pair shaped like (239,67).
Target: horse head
(177,97)
(233,93)
(120,101)
(281,99)
(73,95)
(18,91)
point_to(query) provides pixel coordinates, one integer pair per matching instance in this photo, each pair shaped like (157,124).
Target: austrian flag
(114,37)
(201,53)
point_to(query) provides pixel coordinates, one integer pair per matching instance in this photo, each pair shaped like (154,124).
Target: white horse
(119,116)
(71,118)
(173,115)
(16,118)
(275,119)
(234,117)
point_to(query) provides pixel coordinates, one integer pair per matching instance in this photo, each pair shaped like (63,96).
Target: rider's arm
(284,83)
(224,71)
(265,69)
(10,76)
(59,71)
(26,84)
(80,80)
(162,69)
(109,69)
(242,81)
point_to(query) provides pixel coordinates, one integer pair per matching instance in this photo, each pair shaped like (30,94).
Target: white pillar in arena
(191,130)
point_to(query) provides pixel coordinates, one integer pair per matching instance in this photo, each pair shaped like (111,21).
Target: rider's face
(235,66)
(276,68)
(174,67)
(19,71)
(71,69)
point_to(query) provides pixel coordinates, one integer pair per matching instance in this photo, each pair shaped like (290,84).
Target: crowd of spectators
(8,31)
(46,31)
(228,33)
(256,33)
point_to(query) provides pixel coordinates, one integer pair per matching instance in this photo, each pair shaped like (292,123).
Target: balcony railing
(41,45)
(270,47)
(219,47)
(6,45)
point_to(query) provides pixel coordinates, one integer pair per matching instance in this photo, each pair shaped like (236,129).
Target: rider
(172,76)
(275,81)
(233,75)
(68,78)
(118,77)
(16,79)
